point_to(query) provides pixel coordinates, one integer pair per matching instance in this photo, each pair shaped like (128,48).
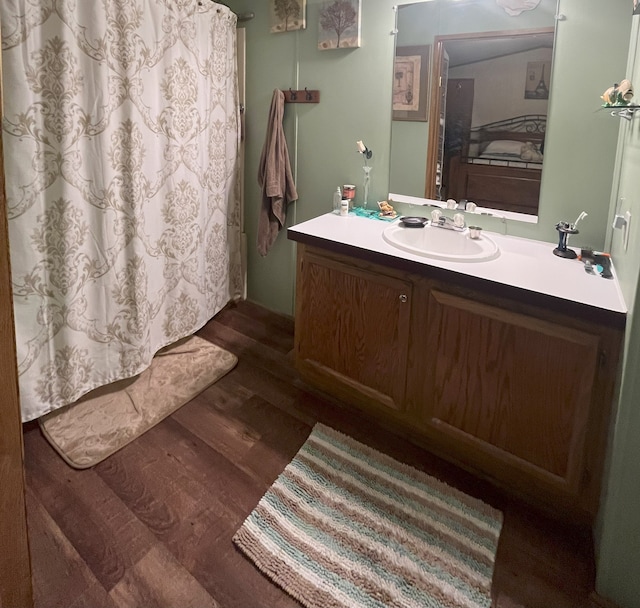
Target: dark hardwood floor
(152,525)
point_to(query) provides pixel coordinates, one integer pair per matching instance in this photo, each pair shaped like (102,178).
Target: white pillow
(504,146)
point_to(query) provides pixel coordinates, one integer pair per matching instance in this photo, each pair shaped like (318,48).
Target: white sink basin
(442,244)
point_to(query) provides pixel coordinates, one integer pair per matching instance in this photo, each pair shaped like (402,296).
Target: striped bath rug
(347,526)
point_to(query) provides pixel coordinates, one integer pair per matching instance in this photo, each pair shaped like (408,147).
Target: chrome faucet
(449,223)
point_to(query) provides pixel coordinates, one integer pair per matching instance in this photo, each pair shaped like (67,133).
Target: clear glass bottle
(337,199)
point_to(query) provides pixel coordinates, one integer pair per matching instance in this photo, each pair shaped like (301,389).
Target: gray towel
(274,177)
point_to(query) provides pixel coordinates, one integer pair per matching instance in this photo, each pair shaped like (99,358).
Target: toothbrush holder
(564,230)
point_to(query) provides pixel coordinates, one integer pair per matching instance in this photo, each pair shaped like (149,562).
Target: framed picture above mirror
(288,15)
(339,24)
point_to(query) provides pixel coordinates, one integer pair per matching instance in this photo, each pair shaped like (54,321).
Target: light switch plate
(618,222)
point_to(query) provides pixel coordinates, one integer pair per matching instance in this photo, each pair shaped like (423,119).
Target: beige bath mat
(108,418)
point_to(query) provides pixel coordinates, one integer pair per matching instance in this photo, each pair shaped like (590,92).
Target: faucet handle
(458,220)
(436,214)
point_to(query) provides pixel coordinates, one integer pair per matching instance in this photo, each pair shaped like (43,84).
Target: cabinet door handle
(403,297)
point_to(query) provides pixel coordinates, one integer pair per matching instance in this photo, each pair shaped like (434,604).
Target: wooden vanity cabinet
(519,393)
(352,329)
(516,392)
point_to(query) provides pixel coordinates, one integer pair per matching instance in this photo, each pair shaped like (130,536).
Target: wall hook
(301,96)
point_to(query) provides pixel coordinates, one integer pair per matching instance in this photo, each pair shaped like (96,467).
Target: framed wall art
(636,7)
(411,83)
(538,79)
(339,24)
(287,15)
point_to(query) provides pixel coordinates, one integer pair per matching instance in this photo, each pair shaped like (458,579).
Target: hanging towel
(274,177)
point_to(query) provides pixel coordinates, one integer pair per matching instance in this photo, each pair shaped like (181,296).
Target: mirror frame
(437,92)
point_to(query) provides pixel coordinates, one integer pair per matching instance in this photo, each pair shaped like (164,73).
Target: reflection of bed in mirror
(498,165)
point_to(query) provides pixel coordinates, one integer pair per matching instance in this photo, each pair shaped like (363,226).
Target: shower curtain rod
(241,16)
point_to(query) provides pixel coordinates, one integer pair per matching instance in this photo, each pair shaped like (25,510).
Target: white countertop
(523,263)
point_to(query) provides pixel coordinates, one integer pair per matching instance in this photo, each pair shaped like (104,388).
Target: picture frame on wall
(339,24)
(287,15)
(537,80)
(411,83)
(636,7)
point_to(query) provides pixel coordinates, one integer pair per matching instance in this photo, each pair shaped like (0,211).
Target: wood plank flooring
(152,525)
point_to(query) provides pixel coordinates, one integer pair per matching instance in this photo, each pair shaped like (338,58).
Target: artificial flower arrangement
(618,95)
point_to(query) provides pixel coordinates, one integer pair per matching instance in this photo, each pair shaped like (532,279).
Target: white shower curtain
(121,139)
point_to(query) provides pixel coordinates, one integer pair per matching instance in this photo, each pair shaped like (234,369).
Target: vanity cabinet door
(352,326)
(509,393)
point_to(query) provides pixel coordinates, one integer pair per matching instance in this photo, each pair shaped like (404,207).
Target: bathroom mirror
(489,83)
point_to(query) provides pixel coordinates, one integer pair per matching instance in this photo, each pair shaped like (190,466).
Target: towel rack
(301,96)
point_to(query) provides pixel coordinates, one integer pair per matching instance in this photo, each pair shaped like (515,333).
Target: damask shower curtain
(121,145)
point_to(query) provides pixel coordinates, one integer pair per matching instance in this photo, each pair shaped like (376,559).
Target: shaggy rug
(108,418)
(346,526)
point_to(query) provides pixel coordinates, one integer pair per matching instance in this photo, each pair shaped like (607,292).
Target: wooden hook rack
(301,96)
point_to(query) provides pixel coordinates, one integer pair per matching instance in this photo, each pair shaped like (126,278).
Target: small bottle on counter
(337,199)
(344,207)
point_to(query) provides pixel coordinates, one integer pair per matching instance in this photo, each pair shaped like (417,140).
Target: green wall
(618,532)
(355,104)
